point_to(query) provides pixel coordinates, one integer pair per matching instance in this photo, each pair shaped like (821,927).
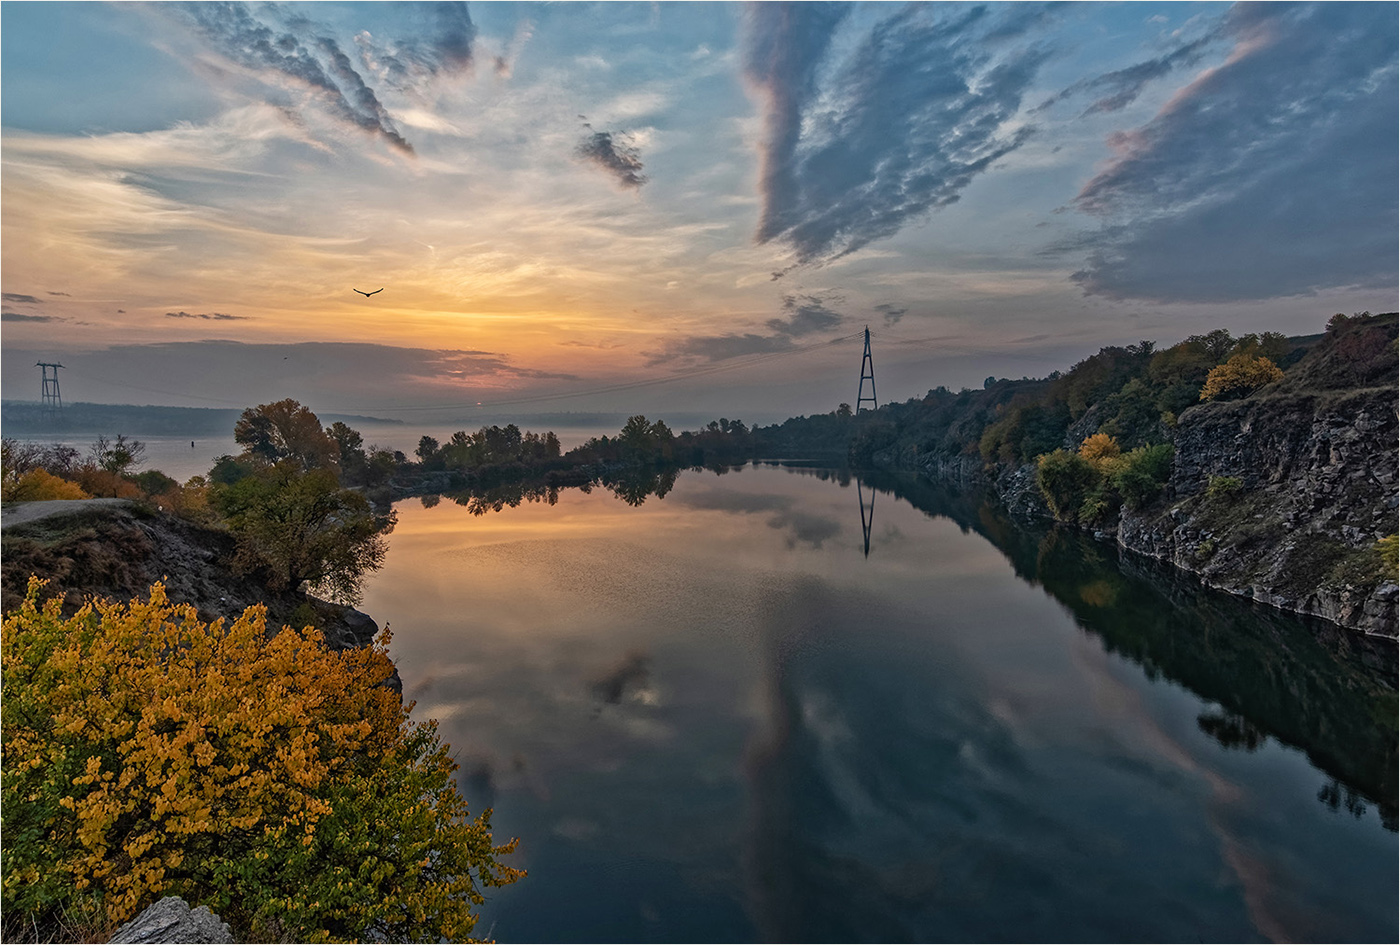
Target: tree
(148,753)
(117,456)
(1100,450)
(1240,375)
(1065,480)
(301,527)
(427,451)
(843,412)
(271,433)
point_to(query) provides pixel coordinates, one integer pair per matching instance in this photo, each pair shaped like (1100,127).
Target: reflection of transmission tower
(867,521)
(867,370)
(52,400)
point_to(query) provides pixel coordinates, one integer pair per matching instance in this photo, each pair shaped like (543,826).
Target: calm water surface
(713,717)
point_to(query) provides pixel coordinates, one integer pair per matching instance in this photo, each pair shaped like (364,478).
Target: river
(783,703)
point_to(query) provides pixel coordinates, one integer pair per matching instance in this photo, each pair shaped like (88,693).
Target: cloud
(803,315)
(806,314)
(785,46)
(64,294)
(8,316)
(1273,174)
(207,316)
(615,155)
(17,297)
(854,151)
(891,314)
(445,49)
(294,55)
(1120,88)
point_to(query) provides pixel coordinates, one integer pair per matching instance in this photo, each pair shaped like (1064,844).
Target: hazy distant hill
(30,419)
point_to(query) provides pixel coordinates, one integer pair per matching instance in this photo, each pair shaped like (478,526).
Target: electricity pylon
(867,370)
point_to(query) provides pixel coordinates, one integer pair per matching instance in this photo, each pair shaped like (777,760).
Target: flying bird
(368,294)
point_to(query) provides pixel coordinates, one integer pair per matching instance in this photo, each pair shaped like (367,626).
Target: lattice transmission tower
(867,372)
(52,399)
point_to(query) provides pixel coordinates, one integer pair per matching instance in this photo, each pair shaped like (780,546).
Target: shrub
(1389,547)
(280,783)
(1100,450)
(40,485)
(1238,376)
(1142,474)
(1223,485)
(1065,479)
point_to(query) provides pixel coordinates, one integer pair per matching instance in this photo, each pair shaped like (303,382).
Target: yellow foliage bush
(148,753)
(1239,376)
(1101,450)
(40,485)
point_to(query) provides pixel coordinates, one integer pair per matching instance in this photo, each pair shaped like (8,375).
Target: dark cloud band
(1274,174)
(854,151)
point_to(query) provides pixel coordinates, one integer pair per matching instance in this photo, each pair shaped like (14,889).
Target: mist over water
(711,716)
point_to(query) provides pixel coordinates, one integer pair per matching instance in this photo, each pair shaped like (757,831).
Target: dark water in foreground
(711,717)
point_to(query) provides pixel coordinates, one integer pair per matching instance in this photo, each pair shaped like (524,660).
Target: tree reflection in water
(1308,684)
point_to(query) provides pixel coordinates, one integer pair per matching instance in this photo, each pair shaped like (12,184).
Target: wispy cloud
(891,313)
(445,48)
(9,316)
(18,297)
(803,315)
(1271,175)
(720,347)
(806,314)
(613,152)
(292,55)
(207,316)
(1120,88)
(853,152)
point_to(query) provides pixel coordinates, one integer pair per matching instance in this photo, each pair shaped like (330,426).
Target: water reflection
(866,520)
(1304,682)
(713,710)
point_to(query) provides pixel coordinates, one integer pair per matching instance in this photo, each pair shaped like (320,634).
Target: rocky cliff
(1281,496)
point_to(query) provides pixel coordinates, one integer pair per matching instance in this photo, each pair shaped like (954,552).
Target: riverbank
(118,548)
(1280,499)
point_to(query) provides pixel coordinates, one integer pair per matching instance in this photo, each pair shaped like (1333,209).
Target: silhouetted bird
(368,294)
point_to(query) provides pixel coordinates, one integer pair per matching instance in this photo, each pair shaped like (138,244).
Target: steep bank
(1280,496)
(118,548)
(1316,489)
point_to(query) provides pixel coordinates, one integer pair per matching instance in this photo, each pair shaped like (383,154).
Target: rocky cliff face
(1317,487)
(1282,499)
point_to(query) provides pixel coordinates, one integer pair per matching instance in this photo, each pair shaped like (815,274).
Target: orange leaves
(148,752)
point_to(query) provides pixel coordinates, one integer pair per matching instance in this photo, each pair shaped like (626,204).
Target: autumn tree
(271,433)
(1100,450)
(1241,375)
(282,784)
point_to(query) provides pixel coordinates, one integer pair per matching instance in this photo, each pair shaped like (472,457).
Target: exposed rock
(118,549)
(1317,478)
(172,920)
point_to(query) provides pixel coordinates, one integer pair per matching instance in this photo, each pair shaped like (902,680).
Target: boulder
(172,920)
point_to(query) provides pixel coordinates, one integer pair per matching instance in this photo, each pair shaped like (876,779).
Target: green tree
(1065,479)
(117,456)
(271,433)
(301,527)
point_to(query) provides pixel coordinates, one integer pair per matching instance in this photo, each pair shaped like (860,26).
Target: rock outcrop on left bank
(118,548)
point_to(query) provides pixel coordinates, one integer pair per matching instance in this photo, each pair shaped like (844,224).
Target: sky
(672,207)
